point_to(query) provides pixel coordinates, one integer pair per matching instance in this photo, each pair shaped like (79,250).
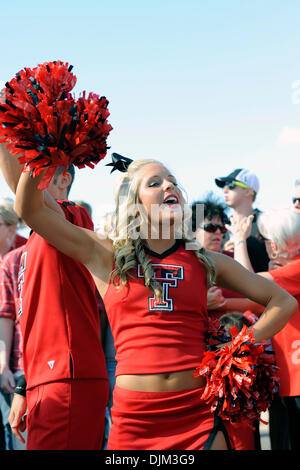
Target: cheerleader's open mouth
(171,200)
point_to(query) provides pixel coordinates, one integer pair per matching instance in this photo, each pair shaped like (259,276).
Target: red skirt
(177,420)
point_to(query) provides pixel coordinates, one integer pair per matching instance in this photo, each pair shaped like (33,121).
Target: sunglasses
(296,199)
(233,184)
(212,228)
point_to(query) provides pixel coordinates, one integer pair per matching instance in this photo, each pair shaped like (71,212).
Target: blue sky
(204,86)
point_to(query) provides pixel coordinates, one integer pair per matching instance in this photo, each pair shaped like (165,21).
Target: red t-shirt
(152,337)
(58,312)
(286,343)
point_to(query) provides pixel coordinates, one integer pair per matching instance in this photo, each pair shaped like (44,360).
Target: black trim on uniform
(218,426)
(166,253)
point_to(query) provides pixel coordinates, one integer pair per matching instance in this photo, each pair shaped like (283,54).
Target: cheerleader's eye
(153,184)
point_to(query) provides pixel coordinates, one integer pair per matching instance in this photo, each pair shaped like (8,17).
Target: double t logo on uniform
(168,275)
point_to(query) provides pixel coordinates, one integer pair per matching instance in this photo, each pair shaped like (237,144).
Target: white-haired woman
(281,230)
(154,290)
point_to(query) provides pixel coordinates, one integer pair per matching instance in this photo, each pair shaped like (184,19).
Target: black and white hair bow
(119,162)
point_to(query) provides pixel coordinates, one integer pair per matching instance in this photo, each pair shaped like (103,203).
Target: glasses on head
(233,184)
(212,228)
(296,199)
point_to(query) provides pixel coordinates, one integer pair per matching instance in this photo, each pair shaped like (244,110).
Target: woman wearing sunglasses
(210,234)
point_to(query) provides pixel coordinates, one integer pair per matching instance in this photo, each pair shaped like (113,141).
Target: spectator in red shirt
(281,229)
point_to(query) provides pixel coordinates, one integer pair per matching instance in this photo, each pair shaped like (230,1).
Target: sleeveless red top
(58,314)
(152,337)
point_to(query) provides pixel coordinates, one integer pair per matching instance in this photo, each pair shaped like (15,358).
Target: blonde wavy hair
(130,251)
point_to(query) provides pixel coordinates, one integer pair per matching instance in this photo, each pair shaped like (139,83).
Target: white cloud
(289,135)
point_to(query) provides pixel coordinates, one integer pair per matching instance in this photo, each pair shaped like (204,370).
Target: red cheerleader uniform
(153,337)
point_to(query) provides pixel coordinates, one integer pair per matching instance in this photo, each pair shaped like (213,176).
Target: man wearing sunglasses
(296,198)
(240,189)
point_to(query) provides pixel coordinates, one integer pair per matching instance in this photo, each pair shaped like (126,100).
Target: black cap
(223,180)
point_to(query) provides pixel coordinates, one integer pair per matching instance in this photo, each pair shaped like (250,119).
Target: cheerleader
(154,291)
(153,286)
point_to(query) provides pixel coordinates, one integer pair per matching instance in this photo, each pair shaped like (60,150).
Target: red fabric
(159,420)
(286,343)
(241,435)
(156,338)
(64,416)
(9,302)
(18,241)
(59,315)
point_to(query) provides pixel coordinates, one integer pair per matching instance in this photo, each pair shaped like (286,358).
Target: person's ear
(65,180)
(250,192)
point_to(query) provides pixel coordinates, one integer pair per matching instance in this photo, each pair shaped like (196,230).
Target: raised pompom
(46,126)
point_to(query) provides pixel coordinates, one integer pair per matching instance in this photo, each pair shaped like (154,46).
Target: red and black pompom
(43,123)
(241,376)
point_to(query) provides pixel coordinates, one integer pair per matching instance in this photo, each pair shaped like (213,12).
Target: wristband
(20,388)
(239,242)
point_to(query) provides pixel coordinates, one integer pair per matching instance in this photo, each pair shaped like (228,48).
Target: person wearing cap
(240,189)
(296,197)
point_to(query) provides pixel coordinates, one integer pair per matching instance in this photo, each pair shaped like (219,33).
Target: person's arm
(81,244)
(280,306)
(7,382)
(12,170)
(241,305)
(10,167)
(241,231)
(17,417)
